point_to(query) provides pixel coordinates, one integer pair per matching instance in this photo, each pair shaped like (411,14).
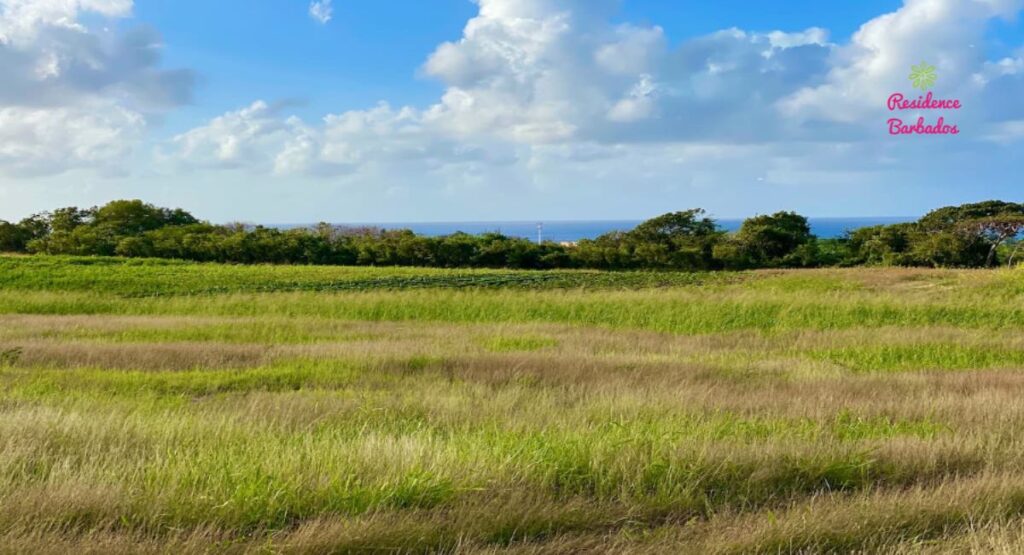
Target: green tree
(885,245)
(675,228)
(68,219)
(36,226)
(985,226)
(132,217)
(995,230)
(781,239)
(682,240)
(13,238)
(949,217)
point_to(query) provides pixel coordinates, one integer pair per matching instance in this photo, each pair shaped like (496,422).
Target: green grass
(927,356)
(671,310)
(502,344)
(148,406)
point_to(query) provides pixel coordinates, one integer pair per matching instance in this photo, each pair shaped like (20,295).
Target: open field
(154,406)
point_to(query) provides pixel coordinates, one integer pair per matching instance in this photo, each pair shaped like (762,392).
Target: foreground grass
(171,407)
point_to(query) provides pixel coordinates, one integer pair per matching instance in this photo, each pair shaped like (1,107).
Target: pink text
(898,102)
(897,127)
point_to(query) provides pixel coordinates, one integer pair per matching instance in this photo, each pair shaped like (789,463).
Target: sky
(297,111)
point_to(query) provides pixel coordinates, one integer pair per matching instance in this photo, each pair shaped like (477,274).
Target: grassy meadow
(170,407)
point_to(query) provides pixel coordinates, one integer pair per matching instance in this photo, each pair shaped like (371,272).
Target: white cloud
(261,138)
(321,11)
(234,139)
(877,61)
(74,97)
(550,71)
(23,20)
(34,140)
(638,103)
(635,49)
(814,35)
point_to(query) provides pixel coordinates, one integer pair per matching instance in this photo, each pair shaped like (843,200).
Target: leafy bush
(971,235)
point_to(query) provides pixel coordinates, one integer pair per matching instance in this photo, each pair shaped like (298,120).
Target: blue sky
(503,109)
(373,50)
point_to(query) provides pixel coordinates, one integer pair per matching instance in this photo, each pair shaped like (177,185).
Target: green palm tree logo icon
(923,76)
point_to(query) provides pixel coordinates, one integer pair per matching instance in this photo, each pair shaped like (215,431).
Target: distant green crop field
(152,277)
(159,406)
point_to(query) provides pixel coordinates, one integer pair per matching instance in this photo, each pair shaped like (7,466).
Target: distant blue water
(825,228)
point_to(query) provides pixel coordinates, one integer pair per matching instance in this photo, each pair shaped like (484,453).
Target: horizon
(594,220)
(575,230)
(510,110)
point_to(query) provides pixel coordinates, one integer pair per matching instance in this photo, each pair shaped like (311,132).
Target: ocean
(825,228)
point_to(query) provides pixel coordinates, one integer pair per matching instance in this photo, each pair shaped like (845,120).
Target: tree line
(975,235)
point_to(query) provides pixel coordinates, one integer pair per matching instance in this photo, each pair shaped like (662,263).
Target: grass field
(153,406)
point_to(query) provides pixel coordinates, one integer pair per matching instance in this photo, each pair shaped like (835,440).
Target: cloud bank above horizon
(543,101)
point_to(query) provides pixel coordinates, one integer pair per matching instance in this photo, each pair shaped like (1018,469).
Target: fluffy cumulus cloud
(37,141)
(74,96)
(950,34)
(259,138)
(529,73)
